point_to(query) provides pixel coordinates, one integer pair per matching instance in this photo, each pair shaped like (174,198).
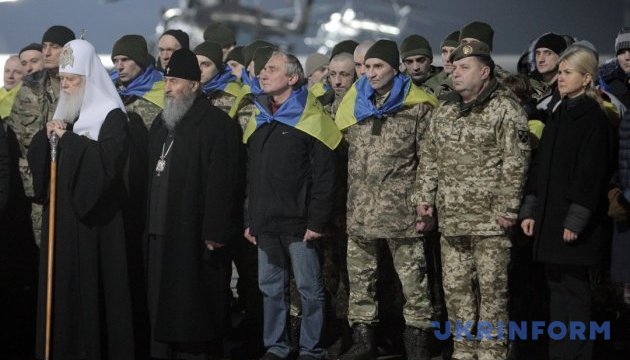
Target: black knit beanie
(212,51)
(261,58)
(220,34)
(414,45)
(31,46)
(183,64)
(451,40)
(237,55)
(58,34)
(551,41)
(479,31)
(135,48)
(346,46)
(385,50)
(182,37)
(249,49)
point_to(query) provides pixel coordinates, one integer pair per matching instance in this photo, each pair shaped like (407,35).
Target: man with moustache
(32,58)
(193,161)
(416,55)
(91,311)
(450,42)
(35,104)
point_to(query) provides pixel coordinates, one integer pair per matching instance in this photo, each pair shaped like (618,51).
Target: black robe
(92,308)
(202,184)
(573,166)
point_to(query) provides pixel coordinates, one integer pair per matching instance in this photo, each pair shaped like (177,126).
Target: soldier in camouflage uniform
(416,54)
(472,170)
(138,82)
(218,84)
(383,146)
(35,105)
(544,81)
(450,42)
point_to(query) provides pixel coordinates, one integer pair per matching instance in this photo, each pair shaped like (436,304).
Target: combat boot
(343,342)
(417,344)
(363,347)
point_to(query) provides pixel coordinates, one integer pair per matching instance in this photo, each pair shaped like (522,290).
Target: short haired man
(224,36)
(236,61)
(35,105)
(474,174)
(12,77)
(359,56)
(291,183)
(193,161)
(416,55)
(450,42)
(138,82)
(32,58)
(91,309)
(384,116)
(218,84)
(170,41)
(547,50)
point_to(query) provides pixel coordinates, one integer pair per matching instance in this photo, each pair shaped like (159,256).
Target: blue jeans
(275,254)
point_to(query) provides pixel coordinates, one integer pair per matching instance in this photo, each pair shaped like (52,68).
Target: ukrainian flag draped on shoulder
(250,85)
(7,97)
(301,111)
(223,81)
(319,88)
(357,104)
(148,85)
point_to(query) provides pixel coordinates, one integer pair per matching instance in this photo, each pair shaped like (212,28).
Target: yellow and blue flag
(301,111)
(149,85)
(357,104)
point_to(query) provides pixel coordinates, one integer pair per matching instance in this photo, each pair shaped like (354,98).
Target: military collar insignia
(66,58)
(467,50)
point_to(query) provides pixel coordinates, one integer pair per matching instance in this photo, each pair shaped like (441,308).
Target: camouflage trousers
(36,210)
(475,280)
(410,265)
(36,218)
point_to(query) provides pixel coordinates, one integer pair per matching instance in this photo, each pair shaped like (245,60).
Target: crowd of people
(368,200)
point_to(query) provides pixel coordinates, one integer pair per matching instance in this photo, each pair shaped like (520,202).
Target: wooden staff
(51,238)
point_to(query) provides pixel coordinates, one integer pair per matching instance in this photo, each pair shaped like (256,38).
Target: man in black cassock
(91,303)
(193,160)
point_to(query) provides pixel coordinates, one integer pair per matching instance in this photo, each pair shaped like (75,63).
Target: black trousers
(569,300)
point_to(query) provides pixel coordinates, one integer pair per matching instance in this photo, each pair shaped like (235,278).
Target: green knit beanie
(479,31)
(385,50)
(346,46)
(133,47)
(261,58)
(414,45)
(220,34)
(249,49)
(236,54)
(212,51)
(451,40)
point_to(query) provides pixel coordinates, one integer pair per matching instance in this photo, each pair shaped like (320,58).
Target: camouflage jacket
(245,110)
(433,81)
(147,110)
(222,100)
(330,101)
(34,105)
(474,162)
(382,160)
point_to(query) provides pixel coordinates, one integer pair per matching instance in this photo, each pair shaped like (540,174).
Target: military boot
(417,344)
(343,342)
(363,347)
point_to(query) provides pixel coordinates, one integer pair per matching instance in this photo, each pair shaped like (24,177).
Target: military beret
(472,49)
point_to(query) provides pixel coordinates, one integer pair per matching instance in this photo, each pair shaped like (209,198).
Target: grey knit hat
(622,41)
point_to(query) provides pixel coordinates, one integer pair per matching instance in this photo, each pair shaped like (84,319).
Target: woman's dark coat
(569,179)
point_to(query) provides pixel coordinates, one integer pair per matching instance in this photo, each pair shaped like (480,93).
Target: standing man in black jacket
(193,160)
(291,173)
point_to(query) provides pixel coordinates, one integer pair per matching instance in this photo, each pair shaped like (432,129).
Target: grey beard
(175,109)
(69,106)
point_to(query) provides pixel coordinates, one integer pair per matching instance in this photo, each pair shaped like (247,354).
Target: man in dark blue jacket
(291,180)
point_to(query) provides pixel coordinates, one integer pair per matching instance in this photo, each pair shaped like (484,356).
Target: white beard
(70,105)
(176,108)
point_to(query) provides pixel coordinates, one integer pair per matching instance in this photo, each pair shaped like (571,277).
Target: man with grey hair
(291,184)
(193,162)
